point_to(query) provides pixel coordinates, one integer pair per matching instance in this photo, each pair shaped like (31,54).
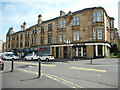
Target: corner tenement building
(85,33)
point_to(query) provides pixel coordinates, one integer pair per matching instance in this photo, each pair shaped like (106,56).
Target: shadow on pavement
(29,79)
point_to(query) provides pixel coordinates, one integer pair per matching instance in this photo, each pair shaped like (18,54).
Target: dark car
(1,65)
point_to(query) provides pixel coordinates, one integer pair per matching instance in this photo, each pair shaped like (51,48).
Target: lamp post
(68,42)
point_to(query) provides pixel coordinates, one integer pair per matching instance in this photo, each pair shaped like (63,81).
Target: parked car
(1,65)
(1,56)
(31,57)
(10,56)
(47,57)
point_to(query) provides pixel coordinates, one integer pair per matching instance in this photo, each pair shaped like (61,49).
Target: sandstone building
(85,33)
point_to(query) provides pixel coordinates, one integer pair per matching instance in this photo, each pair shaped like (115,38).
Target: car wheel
(32,59)
(47,59)
(2,66)
(25,59)
(39,59)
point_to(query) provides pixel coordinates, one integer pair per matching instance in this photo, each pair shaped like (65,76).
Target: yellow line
(70,84)
(33,64)
(88,69)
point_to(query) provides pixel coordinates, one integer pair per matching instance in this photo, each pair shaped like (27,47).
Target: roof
(79,11)
(74,13)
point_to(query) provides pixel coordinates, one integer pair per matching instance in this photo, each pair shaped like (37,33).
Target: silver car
(1,64)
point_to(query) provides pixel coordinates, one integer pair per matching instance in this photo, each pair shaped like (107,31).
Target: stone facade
(85,33)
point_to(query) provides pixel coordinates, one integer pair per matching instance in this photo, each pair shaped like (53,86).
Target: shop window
(84,51)
(79,51)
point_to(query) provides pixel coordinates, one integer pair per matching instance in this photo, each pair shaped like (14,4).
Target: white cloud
(9,7)
(35,1)
(51,9)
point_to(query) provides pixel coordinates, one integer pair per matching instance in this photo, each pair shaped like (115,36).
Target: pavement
(20,79)
(102,73)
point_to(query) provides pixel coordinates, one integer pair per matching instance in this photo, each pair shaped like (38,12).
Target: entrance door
(65,52)
(100,50)
(94,52)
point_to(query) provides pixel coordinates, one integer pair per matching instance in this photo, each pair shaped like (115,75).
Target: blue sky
(15,12)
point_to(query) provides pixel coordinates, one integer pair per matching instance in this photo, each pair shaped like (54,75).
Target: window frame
(60,37)
(76,21)
(100,33)
(50,38)
(50,27)
(94,33)
(42,29)
(42,40)
(76,35)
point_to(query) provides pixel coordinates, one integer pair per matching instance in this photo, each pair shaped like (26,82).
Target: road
(102,73)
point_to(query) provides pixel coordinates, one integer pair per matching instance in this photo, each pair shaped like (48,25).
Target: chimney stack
(10,31)
(24,26)
(39,19)
(62,13)
(21,27)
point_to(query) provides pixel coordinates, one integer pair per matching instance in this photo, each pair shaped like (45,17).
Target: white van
(10,55)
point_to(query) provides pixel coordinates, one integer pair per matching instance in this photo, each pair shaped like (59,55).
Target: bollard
(12,65)
(39,70)
(91,60)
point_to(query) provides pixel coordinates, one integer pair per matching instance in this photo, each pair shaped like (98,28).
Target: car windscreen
(10,55)
(29,55)
(47,55)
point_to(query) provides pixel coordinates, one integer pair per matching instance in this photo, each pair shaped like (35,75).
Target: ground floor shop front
(79,50)
(86,50)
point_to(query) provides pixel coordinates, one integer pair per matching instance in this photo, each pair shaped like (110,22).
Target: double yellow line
(33,64)
(88,69)
(67,83)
